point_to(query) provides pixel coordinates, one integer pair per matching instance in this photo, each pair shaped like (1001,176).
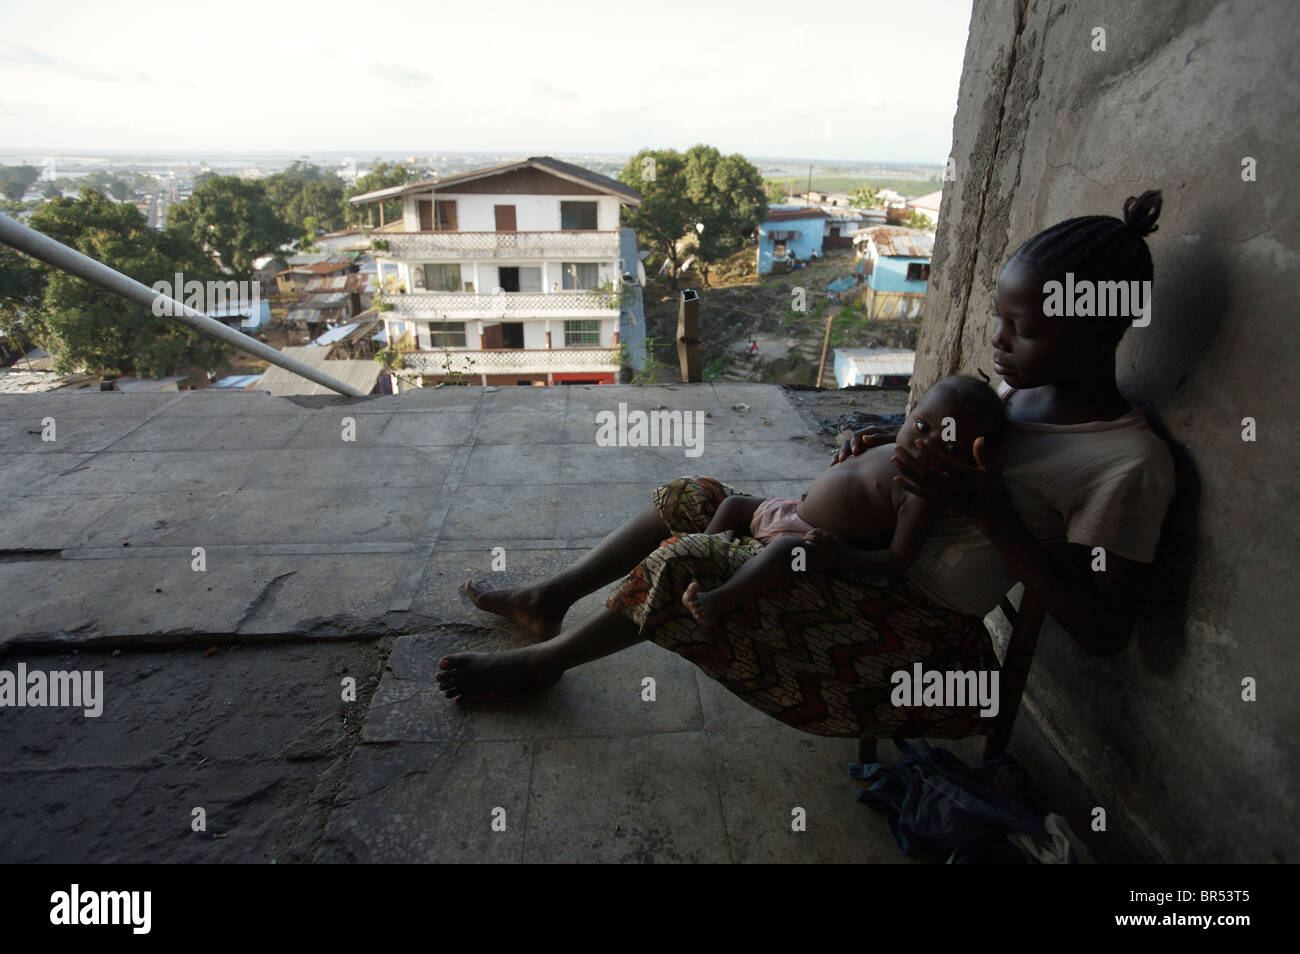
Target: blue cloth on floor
(936,800)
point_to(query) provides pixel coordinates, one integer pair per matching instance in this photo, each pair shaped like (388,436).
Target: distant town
(400,270)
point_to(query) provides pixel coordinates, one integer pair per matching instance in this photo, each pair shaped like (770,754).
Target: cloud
(399,73)
(31,56)
(550,90)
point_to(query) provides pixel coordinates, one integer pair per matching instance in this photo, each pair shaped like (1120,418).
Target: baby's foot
(705,607)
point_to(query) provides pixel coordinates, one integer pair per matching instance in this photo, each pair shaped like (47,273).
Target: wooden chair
(1026,623)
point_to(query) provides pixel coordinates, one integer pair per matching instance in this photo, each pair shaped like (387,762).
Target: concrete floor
(329,560)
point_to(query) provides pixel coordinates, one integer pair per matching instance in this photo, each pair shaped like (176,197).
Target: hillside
(738,307)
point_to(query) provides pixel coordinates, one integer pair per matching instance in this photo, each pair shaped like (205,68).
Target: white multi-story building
(508,275)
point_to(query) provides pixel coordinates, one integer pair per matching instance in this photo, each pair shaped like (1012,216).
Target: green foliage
(727,196)
(919,220)
(305,191)
(232,218)
(51,191)
(383,175)
(15,180)
(85,327)
(714,371)
(678,190)
(864,196)
(100,180)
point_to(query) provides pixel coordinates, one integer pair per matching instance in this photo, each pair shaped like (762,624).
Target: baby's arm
(915,517)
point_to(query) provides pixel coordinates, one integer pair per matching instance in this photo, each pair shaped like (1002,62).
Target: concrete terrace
(328,559)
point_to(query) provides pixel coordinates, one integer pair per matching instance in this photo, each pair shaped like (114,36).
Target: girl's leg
(541,607)
(472,677)
(735,514)
(763,572)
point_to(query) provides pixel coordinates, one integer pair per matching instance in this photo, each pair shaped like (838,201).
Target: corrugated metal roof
(353,281)
(879,361)
(785,215)
(362,375)
(929,201)
(335,334)
(237,381)
(320,268)
(900,242)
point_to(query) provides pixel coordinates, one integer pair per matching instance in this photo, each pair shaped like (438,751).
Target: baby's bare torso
(857,499)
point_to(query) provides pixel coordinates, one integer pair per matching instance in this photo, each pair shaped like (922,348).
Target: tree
(919,220)
(726,196)
(51,191)
(384,175)
(775,191)
(16,180)
(864,196)
(232,219)
(86,327)
(305,190)
(107,183)
(664,214)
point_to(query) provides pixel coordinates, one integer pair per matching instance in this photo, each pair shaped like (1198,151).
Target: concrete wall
(1047,128)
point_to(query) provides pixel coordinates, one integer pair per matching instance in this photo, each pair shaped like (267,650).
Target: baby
(854,515)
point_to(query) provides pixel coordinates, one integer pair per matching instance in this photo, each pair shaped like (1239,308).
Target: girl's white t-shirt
(1101,484)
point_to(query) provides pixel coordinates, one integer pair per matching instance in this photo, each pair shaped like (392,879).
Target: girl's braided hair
(1097,248)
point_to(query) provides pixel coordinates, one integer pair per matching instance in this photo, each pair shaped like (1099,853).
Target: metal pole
(73,262)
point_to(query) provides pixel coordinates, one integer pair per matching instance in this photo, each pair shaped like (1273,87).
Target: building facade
(896,265)
(509,275)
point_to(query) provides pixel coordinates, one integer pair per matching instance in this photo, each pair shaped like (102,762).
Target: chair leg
(866,751)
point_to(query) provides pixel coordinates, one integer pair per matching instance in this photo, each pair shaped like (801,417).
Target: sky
(826,79)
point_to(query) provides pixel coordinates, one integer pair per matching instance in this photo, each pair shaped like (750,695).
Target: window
(577,215)
(445,215)
(918,271)
(582,334)
(447,334)
(580,275)
(442,278)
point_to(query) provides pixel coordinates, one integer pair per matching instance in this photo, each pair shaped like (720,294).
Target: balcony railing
(496,361)
(465,304)
(419,246)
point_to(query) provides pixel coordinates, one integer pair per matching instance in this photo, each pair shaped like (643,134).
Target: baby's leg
(734,513)
(765,571)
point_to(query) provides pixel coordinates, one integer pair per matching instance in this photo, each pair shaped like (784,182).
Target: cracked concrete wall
(1046,129)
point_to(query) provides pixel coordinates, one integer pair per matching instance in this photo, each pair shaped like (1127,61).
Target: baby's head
(956,411)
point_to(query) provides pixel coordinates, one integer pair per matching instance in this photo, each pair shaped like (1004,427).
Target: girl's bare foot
(477,677)
(525,605)
(705,607)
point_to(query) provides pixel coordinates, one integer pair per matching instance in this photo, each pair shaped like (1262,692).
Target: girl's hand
(977,493)
(864,440)
(825,547)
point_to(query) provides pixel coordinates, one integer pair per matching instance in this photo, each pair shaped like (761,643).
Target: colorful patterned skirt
(817,654)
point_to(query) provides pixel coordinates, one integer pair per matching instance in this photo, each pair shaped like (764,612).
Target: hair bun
(1141,212)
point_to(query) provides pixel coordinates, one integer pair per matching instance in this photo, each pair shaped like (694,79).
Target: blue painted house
(790,228)
(896,264)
